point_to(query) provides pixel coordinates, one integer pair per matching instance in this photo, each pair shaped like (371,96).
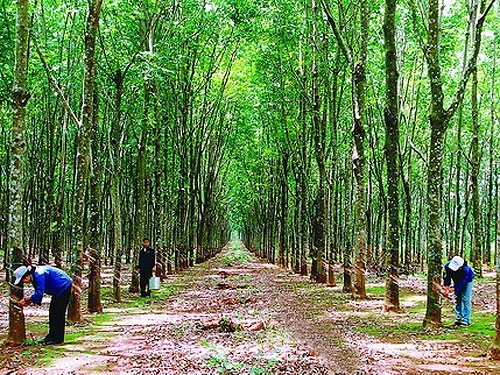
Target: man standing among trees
(146,267)
(462,275)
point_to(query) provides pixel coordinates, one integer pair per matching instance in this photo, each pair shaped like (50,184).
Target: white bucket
(154,283)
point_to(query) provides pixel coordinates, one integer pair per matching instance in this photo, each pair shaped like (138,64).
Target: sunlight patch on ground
(368,305)
(72,363)
(446,369)
(148,319)
(430,356)
(347,314)
(413,301)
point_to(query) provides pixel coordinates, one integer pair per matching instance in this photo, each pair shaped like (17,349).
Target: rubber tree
(392,152)
(318,271)
(439,120)
(357,65)
(494,350)
(20,97)
(87,126)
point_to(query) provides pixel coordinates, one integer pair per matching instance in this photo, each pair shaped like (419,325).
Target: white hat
(456,263)
(19,273)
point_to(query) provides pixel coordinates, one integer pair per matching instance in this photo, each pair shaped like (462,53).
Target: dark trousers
(57,316)
(144,283)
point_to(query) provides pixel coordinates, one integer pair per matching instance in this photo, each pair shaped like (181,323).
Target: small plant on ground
(235,255)
(222,365)
(219,361)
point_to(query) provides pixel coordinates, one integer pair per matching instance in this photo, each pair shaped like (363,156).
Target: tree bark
(358,95)
(115,157)
(83,155)
(476,250)
(319,136)
(392,152)
(494,350)
(20,97)
(439,120)
(358,159)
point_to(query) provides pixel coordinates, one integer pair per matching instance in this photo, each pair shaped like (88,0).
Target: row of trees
(356,133)
(120,129)
(376,140)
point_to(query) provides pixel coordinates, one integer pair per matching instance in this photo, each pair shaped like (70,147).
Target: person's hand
(24,302)
(153,270)
(447,290)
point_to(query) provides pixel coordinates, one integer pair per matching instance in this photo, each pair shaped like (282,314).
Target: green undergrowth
(387,327)
(235,255)
(366,316)
(221,362)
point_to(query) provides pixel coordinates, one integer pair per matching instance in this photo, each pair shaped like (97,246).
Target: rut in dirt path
(237,315)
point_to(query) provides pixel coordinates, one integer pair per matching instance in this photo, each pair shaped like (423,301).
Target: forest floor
(237,315)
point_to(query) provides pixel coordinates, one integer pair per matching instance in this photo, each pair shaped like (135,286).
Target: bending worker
(52,281)
(462,275)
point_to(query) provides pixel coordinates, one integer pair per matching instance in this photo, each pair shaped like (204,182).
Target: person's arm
(140,261)
(37,296)
(447,277)
(153,268)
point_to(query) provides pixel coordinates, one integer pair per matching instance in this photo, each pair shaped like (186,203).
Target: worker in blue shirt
(52,281)
(463,276)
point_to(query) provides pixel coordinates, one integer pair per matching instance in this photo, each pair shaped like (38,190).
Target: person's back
(50,280)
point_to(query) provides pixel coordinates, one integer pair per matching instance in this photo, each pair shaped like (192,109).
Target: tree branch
(55,84)
(347,54)
(471,64)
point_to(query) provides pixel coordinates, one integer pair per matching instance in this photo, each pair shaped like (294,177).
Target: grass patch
(323,298)
(73,336)
(399,328)
(135,301)
(235,255)
(221,364)
(368,318)
(102,318)
(36,330)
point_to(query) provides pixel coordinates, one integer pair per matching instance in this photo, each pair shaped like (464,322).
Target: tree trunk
(439,120)
(438,123)
(94,298)
(94,276)
(358,163)
(495,345)
(83,155)
(358,134)
(489,227)
(116,168)
(283,210)
(391,116)
(476,250)
(319,136)
(20,97)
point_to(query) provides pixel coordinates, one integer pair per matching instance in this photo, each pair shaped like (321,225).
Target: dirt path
(237,315)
